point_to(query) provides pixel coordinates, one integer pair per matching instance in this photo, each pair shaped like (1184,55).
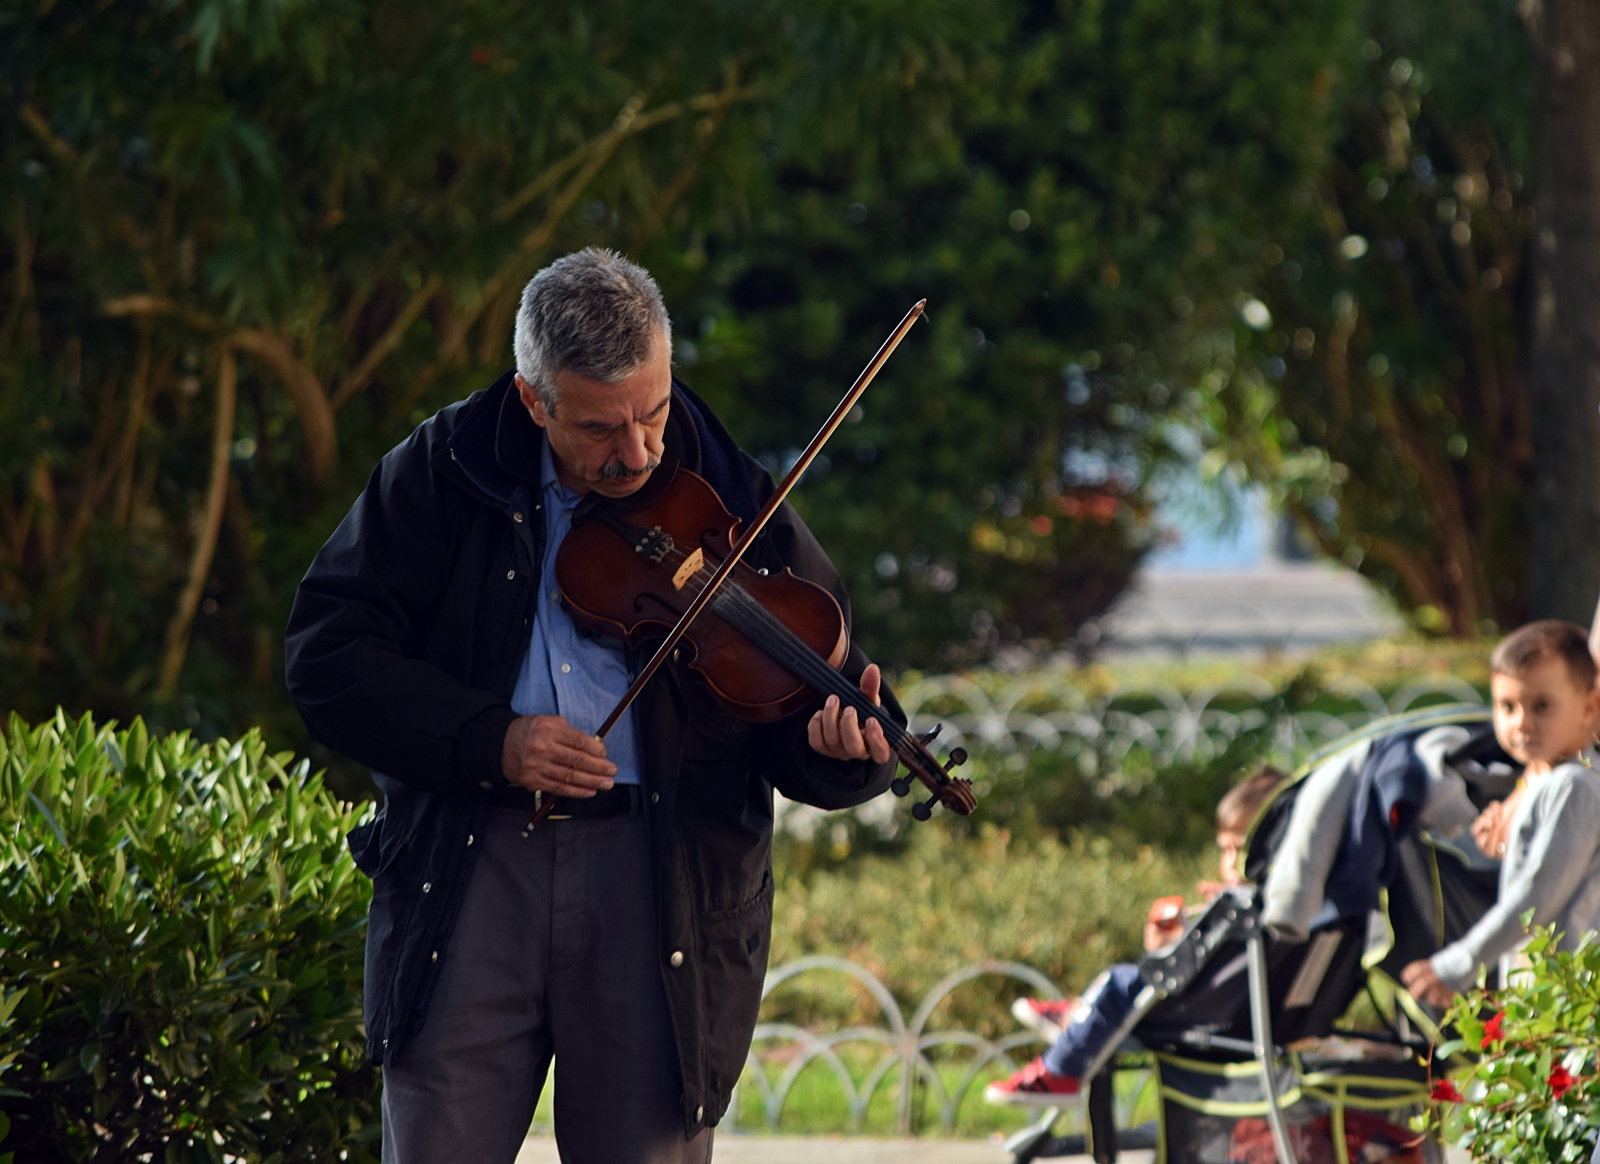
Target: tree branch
(177,645)
(316,414)
(656,216)
(40,127)
(554,172)
(364,371)
(138,395)
(1423,586)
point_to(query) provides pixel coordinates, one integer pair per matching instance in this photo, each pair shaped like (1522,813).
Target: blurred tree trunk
(1564,369)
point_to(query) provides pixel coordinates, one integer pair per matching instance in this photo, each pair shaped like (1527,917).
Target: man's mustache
(617,471)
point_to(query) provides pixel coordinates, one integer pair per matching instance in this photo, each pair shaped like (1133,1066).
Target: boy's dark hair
(1238,808)
(1527,645)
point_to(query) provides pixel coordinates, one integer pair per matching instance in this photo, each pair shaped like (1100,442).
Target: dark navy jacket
(402,652)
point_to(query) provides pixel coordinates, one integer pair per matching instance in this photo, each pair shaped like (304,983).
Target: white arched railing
(906,1045)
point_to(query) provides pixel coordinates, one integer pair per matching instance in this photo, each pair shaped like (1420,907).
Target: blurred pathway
(1282,606)
(736,1149)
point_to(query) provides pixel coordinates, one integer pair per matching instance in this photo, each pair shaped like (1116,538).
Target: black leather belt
(618,800)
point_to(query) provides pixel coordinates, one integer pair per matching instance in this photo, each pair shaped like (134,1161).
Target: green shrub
(181,938)
(1067,908)
(1531,1095)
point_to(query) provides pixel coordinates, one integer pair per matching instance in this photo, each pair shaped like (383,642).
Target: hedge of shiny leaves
(181,936)
(1533,1093)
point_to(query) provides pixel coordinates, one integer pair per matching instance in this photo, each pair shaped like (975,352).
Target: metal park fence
(1116,738)
(918,1067)
(1050,711)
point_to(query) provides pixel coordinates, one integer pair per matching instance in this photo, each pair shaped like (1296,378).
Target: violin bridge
(656,544)
(691,567)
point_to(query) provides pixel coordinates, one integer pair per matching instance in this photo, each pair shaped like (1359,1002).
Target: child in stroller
(1547,832)
(1079,1027)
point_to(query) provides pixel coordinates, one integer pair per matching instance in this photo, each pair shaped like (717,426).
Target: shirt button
(510,574)
(555,596)
(517,517)
(677,958)
(434,957)
(469,840)
(566,668)
(655,798)
(484,784)
(700,1113)
(427,887)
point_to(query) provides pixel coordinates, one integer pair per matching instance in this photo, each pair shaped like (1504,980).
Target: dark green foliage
(181,934)
(1523,1065)
(1384,400)
(347,198)
(1092,165)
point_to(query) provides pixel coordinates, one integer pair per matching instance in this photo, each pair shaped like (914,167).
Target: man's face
(606,437)
(1541,715)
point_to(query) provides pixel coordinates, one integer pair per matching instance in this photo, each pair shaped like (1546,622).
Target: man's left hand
(1424,983)
(837,732)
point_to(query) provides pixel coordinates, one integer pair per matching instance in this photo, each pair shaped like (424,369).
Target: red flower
(1493,1031)
(1445,1092)
(1561,1081)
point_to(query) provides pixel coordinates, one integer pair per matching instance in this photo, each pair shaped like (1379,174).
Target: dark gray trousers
(554,953)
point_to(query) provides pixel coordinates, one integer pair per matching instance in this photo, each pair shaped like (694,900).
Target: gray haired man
(627,937)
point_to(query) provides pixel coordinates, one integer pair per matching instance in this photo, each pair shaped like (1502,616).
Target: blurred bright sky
(1217,529)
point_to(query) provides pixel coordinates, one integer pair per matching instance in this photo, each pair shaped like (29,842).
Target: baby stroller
(1234,1022)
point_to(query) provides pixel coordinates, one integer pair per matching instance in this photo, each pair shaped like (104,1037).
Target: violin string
(808,666)
(741,610)
(755,620)
(766,631)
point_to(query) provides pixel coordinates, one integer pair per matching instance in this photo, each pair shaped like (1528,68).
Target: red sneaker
(1033,1086)
(1044,1016)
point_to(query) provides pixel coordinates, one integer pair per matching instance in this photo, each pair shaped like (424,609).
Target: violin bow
(547,801)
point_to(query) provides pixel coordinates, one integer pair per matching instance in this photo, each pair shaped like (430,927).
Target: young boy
(1090,1020)
(1547,833)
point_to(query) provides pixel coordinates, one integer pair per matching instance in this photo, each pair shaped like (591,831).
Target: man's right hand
(547,754)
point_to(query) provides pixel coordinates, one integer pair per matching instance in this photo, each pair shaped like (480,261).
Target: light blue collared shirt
(564,673)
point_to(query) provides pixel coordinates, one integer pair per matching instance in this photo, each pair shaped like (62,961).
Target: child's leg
(1100,1011)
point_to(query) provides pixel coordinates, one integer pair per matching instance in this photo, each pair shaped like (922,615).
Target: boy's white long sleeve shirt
(1551,866)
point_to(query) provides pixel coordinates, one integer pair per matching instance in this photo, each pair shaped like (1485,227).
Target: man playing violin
(627,935)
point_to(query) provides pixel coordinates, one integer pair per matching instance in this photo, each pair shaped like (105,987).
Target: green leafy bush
(1533,1094)
(181,940)
(1068,908)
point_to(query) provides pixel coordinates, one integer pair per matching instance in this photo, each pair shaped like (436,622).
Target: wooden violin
(766,646)
(674,554)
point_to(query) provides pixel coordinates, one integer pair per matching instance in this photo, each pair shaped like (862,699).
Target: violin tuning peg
(928,736)
(958,757)
(921,811)
(900,786)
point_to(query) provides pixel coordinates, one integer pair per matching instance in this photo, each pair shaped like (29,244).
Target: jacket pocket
(752,918)
(732,960)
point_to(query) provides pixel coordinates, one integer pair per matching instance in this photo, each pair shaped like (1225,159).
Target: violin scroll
(954,792)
